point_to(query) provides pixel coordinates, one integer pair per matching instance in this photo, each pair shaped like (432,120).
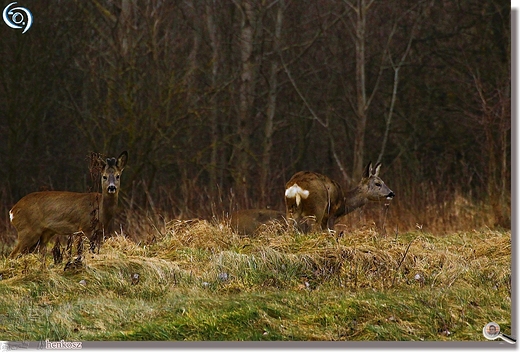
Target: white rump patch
(11,215)
(297,192)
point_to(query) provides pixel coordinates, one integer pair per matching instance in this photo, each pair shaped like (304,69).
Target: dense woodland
(219,103)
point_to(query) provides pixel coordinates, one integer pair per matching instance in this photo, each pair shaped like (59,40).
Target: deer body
(247,221)
(310,195)
(39,216)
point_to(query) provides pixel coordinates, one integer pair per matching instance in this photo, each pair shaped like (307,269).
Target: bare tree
(359,23)
(271,102)
(246,96)
(214,37)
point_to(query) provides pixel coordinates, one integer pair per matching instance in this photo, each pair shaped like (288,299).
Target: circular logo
(17,17)
(491,331)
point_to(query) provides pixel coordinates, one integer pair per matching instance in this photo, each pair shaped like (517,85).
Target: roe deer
(312,195)
(247,221)
(39,216)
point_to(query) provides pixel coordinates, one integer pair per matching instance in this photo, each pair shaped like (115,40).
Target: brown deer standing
(312,195)
(39,216)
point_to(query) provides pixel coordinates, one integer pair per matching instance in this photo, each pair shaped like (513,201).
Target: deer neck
(108,207)
(354,199)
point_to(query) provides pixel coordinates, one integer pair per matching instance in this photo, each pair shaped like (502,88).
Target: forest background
(219,103)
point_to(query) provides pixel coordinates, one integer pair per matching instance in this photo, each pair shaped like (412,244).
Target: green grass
(201,282)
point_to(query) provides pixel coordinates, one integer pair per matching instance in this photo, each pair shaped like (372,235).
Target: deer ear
(368,170)
(121,160)
(378,166)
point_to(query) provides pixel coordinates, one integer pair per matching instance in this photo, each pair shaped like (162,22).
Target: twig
(401,262)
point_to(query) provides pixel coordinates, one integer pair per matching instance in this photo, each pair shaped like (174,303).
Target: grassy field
(200,281)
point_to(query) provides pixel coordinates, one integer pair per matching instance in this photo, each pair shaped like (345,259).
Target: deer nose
(390,195)
(111,189)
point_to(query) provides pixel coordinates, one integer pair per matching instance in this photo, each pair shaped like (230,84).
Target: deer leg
(321,218)
(15,251)
(41,244)
(325,223)
(27,242)
(45,237)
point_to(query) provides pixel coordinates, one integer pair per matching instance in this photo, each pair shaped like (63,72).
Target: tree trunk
(271,107)
(245,101)
(361,109)
(192,60)
(215,66)
(124,26)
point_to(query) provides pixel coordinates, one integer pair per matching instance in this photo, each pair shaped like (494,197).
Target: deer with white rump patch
(39,216)
(309,195)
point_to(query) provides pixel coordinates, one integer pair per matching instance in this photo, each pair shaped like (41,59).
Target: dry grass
(199,280)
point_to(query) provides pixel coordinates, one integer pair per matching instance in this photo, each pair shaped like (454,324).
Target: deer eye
(378,184)
(117,177)
(105,177)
